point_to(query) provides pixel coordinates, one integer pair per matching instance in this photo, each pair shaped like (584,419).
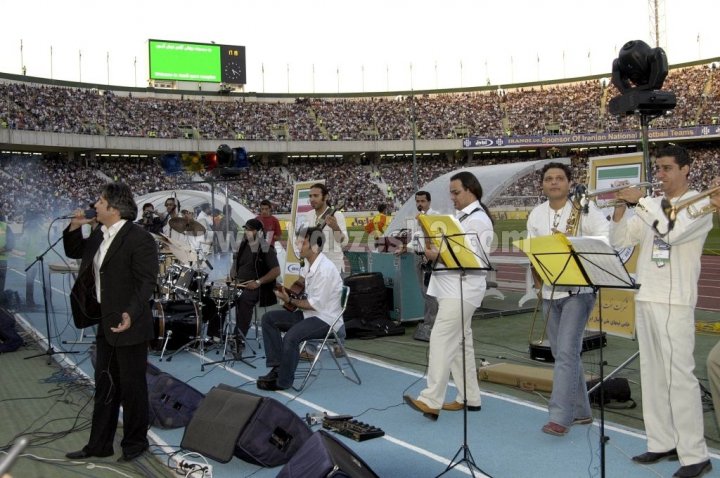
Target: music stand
(457,250)
(580,262)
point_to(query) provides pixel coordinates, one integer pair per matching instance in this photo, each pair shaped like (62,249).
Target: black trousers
(244,307)
(120,380)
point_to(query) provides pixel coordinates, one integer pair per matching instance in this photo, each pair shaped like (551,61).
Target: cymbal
(186,226)
(161,239)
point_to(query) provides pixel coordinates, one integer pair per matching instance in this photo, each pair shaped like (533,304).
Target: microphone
(89,214)
(420,209)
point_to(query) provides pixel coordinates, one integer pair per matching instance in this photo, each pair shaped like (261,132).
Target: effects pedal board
(346,426)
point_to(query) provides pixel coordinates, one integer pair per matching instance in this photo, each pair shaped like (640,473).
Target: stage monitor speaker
(259,430)
(323,456)
(216,425)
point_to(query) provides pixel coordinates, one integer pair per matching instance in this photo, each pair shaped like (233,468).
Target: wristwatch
(257,281)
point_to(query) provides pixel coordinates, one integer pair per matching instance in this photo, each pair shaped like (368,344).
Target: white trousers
(672,410)
(446,355)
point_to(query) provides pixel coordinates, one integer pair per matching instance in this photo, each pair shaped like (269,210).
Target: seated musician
(312,320)
(255,268)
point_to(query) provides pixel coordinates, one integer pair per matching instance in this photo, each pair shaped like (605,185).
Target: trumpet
(600,192)
(671,211)
(616,202)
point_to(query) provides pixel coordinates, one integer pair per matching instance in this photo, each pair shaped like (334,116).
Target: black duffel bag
(616,393)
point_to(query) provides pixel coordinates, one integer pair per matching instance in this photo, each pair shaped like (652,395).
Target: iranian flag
(303,202)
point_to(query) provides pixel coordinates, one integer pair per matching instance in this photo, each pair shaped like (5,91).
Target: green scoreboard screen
(186,61)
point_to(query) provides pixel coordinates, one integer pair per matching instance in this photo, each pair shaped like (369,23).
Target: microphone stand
(50,351)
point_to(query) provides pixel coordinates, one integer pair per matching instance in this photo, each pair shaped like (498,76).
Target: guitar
(296,291)
(322,220)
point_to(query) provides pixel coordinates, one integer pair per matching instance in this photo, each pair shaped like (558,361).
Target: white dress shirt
(323,287)
(444,284)
(332,248)
(676,282)
(109,234)
(543,219)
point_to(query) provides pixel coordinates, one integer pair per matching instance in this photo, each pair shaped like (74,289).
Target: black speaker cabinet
(257,429)
(323,456)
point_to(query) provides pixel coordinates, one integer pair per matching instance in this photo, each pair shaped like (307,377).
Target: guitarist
(312,320)
(330,221)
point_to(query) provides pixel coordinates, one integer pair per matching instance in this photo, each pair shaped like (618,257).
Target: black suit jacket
(129,273)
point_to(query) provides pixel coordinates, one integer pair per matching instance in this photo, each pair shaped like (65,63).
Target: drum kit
(185,302)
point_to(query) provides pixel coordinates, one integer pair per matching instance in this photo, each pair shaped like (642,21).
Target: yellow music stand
(560,260)
(456,248)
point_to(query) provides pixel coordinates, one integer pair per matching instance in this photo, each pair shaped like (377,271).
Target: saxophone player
(566,309)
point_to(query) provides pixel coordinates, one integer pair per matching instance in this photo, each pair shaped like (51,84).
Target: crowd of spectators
(56,185)
(561,108)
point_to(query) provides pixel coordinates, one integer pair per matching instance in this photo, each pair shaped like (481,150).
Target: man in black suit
(113,289)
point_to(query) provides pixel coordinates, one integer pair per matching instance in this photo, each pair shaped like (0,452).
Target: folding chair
(331,339)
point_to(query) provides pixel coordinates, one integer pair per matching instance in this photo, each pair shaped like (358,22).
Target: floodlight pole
(645,144)
(414,138)
(645,119)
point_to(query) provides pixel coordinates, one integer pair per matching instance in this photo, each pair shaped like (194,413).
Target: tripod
(50,350)
(223,305)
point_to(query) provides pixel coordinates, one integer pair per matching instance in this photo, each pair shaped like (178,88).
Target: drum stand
(228,332)
(202,338)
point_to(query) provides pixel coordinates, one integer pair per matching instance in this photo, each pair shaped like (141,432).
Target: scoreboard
(202,62)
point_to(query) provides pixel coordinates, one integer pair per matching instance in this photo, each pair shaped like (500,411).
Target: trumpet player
(668,269)
(567,308)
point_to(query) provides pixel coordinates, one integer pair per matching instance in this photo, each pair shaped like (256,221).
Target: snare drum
(189,281)
(222,292)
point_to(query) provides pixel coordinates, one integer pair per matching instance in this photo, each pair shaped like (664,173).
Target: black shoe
(131,456)
(271,376)
(83,454)
(652,457)
(238,348)
(271,386)
(691,471)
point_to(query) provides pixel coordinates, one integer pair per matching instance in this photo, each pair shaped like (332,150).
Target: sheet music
(456,247)
(602,264)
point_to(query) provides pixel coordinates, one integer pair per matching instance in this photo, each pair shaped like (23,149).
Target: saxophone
(573,222)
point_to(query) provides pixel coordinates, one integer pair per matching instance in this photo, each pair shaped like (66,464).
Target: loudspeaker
(259,430)
(172,401)
(324,456)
